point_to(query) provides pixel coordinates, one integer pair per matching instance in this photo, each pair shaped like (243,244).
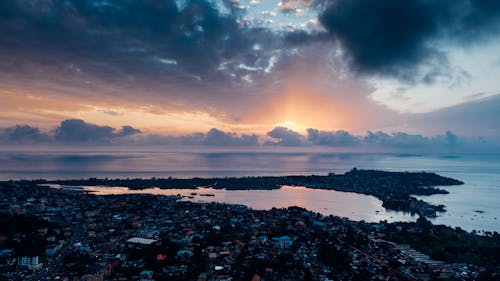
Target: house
(146,275)
(29,262)
(283,241)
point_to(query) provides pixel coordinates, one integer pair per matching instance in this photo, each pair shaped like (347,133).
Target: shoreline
(394,189)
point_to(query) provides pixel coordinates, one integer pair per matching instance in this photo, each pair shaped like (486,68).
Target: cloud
(448,139)
(23,134)
(76,130)
(128,40)
(183,56)
(220,138)
(291,6)
(381,140)
(405,140)
(398,38)
(331,138)
(372,141)
(213,137)
(286,137)
(398,139)
(472,118)
(128,131)
(205,56)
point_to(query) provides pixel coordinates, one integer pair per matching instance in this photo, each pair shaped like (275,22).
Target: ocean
(472,206)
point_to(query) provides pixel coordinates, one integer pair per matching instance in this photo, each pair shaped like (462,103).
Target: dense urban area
(58,234)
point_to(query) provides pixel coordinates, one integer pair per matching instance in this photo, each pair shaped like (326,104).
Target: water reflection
(480,172)
(328,202)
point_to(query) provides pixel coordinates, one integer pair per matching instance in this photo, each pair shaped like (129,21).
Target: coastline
(394,189)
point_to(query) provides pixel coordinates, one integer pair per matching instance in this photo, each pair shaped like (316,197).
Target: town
(54,234)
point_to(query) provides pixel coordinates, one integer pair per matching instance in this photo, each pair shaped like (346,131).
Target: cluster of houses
(146,237)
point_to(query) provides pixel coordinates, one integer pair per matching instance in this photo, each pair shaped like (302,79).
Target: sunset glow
(244,69)
(249,140)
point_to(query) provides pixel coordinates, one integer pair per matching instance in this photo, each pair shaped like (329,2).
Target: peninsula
(394,189)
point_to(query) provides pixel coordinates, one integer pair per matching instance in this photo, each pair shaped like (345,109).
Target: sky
(338,73)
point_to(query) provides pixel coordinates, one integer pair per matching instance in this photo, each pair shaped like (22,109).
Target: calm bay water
(329,202)
(475,205)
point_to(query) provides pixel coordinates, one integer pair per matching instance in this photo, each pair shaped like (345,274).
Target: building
(29,262)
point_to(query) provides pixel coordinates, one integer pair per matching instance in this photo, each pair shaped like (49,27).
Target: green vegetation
(447,244)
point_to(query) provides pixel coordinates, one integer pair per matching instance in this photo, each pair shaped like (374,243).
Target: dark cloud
(449,139)
(331,138)
(392,37)
(128,131)
(117,40)
(372,140)
(213,137)
(76,130)
(286,137)
(405,140)
(23,134)
(398,139)
(217,137)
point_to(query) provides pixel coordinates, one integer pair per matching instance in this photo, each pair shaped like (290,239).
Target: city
(52,234)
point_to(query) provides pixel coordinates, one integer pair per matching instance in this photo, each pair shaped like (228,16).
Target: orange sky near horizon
(297,105)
